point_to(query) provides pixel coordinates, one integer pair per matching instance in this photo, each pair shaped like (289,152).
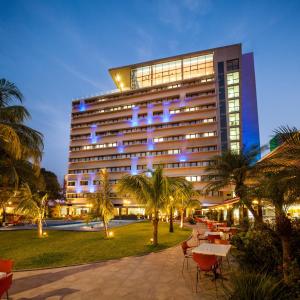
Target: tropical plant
(180,193)
(253,285)
(281,189)
(232,170)
(279,184)
(101,204)
(33,206)
(19,143)
(152,189)
(16,139)
(186,199)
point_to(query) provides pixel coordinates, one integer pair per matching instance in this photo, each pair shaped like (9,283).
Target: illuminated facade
(177,112)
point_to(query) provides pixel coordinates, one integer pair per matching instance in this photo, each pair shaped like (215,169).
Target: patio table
(212,249)
(206,233)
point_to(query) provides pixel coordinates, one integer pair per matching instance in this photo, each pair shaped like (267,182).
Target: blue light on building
(120,147)
(166,113)
(82,106)
(150,113)
(135,116)
(134,161)
(150,144)
(93,137)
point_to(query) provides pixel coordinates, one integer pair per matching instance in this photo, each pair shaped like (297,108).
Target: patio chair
(186,253)
(6,280)
(205,263)
(212,237)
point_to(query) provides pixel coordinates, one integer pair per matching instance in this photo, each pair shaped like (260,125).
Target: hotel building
(177,112)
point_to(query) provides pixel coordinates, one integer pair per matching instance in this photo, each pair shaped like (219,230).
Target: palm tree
(180,189)
(102,207)
(152,189)
(232,169)
(16,139)
(279,184)
(281,189)
(33,206)
(19,144)
(186,198)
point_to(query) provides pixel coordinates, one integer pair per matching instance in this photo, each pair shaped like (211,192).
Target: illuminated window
(193,178)
(234,133)
(71,183)
(233,91)
(198,66)
(233,78)
(234,105)
(172,71)
(235,146)
(234,119)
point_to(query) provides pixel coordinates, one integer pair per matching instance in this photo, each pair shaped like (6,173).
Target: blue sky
(59,50)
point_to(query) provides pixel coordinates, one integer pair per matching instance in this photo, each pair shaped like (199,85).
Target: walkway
(153,276)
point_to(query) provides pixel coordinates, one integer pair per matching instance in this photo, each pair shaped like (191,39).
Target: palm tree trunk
(286,258)
(40,228)
(105,228)
(181,218)
(260,212)
(155,228)
(171,228)
(3,214)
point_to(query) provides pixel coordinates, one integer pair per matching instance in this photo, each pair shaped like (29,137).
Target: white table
(212,249)
(206,233)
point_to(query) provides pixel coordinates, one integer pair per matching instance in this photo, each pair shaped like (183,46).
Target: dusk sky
(55,51)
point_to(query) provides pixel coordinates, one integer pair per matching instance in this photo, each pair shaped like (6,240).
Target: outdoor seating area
(207,247)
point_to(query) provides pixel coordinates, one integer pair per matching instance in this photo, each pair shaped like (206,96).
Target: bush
(252,285)
(258,250)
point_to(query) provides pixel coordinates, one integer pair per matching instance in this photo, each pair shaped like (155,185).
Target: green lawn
(62,248)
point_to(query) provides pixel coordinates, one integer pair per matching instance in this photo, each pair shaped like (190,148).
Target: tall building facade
(177,112)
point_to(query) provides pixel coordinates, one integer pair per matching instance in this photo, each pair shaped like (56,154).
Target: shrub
(258,250)
(252,285)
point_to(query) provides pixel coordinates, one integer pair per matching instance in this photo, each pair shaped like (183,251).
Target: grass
(62,248)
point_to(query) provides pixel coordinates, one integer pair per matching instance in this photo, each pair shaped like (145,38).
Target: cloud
(78,74)
(183,15)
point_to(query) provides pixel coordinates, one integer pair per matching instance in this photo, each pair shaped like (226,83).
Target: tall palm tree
(33,206)
(232,169)
(102,206)
(18,142)
(152,189)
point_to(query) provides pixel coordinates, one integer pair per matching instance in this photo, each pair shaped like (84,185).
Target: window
(233,78)
(233,91)
(193,178)
(71,183)
(234,119)
(198,66)
(233,64)
(84,182)
(234,133)
(235,147)
(234,105)
(174,151)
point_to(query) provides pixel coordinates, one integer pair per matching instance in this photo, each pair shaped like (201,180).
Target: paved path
(153,276)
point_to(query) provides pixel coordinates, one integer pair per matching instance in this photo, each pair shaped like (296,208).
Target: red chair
(212,237)
(6,282)
(185,249)
(205,263)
